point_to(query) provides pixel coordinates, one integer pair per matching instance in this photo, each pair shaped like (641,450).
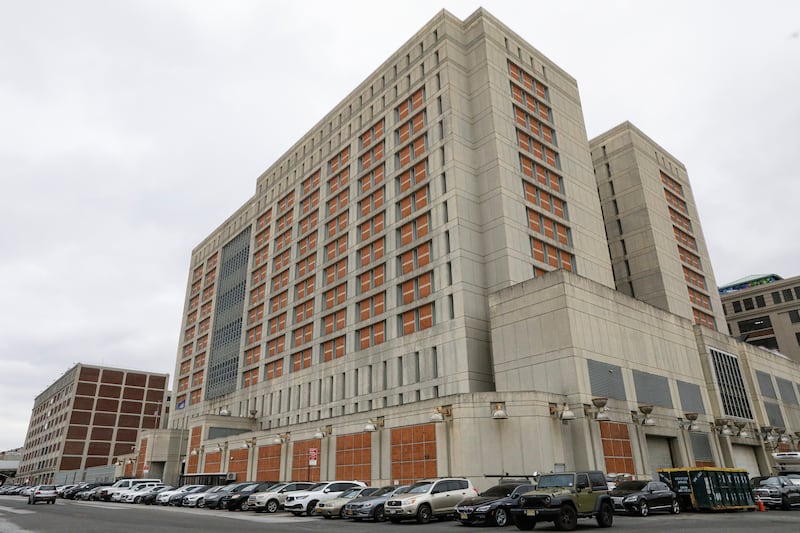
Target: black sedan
(213,500)
(492,505)
(176,499)
(237,500)
(641,497)
(149,496)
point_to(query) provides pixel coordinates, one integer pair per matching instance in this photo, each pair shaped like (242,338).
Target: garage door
(745,457)
(659,454)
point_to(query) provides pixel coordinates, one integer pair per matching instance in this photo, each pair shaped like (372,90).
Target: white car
(274,498)
(197,499)
(305,501)
(127,496)
(163,497)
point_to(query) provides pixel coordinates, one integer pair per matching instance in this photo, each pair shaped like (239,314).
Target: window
(284,221)
(787,295)
(281,260)
(252,356)
(754,324)
(415,258)
(549,227)
(371,252)
(794,316)
(306,265)
(334,322)
(259,275)
(410,128)
(371,278)
(748,304)
(412,176)
(540,151)
(336,248)
(776,297)
(413,202)
(262,238)
(553,256)
(688,257)
(309,202)
(250,378)
(264,219)
(410,105)
(260,256)
(371,203)
(338,202)
(303,311)
(257,294)
(274,369)
(304,288)
(278,302)
(277,324)
(760,301)
(371,335)
(540,174)
(339,161)
(336,271)
(412,151)
(413,230)
(301,360)
(308,223)
(370,179)
(276,346)
(416,319)
(737,306)
(254,334)
(302,335)
(339,181)
(684,238)
(307,243)
(280,281)
(333,349)
(371,135)
(335,296)
(370,157)
(371,227)
(544,199)
(336,225)
(310,183)
(416,288)
(372,307)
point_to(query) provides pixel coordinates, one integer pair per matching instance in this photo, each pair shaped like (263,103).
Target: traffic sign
(312,457)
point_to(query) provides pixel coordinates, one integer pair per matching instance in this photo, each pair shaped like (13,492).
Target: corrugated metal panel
(606,380)
(690,397)
(732,389)
(701,447)
(786,388)
(774,414)
(651,388)
(765,384)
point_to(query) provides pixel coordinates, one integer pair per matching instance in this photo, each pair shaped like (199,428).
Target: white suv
(274,498)
(429,498)
(305,501)
(127,496)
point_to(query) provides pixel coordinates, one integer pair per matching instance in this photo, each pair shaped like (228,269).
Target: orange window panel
(404,156)
(371,335)
(252,356)
(276,346)
(309,202)
(280,281)
(371,278)
(566,260)
(534,221)
(187,350)
(277,324)
(286,202)
(284,221)
(183,384)
(372,252)
(198,273)
(310,222)
(337,225)
(310,183)
(255,314)
(281,260)
(307,244)
(301,360)
(303,311)
(538,249)
(254,334)
(304,288)
(417,99)
(336,248)
(263,220)
(302,335)
(257,294)
(197,378)
(339,181)
(260,256)
(259,275)
(279,301)
(336,271)
(333,349)
(334,322)
(371,179)
(372,226)
(371,307)
(202,342)
(274,369)
(335,296)
(283,240)
(250,378)
(306,265)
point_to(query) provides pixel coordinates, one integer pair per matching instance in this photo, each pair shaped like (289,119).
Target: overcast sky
(130,130)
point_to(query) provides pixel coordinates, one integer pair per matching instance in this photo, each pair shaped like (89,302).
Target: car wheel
(245,506)
(567,518)
(605,516)
(644,509)
(500,517)
(342,513)
(380,516)
(201,503)
(272,506)
(423,514)
(676,507)
(137,499)
(312,507)
(524,523)
(785,505)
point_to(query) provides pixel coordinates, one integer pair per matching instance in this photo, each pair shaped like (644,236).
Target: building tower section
(459,167)
(657,247)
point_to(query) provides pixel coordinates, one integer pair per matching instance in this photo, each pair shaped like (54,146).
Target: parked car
(429,498)
(305,501)
(69,494)
(642,497)
(237,501)
(176,499)
(150,496)
(164,497)
(492,506)
(93,494)
(123,484)
(778,491)
(198,499)
(335,507)
(61,488)
(130,495)
(213,500)
(273,498)
(42,493)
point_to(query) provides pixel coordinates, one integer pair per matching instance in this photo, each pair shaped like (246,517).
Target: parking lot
(100,517)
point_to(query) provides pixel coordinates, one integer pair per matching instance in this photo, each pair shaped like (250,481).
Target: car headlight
(483,508)
(547,501)
(631,499)
(366,505)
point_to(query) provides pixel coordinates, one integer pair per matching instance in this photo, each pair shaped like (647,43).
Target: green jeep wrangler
(563,498)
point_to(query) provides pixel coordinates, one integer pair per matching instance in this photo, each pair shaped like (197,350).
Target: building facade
(88,418)
(658,251)
(765,311)
(422,285)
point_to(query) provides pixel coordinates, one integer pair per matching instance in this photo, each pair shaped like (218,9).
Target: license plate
(463,516)
(530,512)
(390,511)
(617,501)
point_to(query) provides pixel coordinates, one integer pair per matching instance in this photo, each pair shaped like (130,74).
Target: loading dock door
(745,457)
(659,454)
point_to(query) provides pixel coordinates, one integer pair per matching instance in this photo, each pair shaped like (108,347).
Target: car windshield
(632,485)
(351,493)
(276,488)
(556,480)
(250,488)
(420,487)
(771,481)
(402,490)
(317,487)
(47,487)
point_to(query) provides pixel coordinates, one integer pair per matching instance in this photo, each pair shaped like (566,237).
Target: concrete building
(765,311)
(658,251)
(422,286)
(87,418)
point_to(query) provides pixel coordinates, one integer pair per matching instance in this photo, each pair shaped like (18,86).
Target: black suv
(563,498)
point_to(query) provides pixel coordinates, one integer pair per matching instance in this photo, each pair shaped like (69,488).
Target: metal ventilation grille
(732,390)
(691,398)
